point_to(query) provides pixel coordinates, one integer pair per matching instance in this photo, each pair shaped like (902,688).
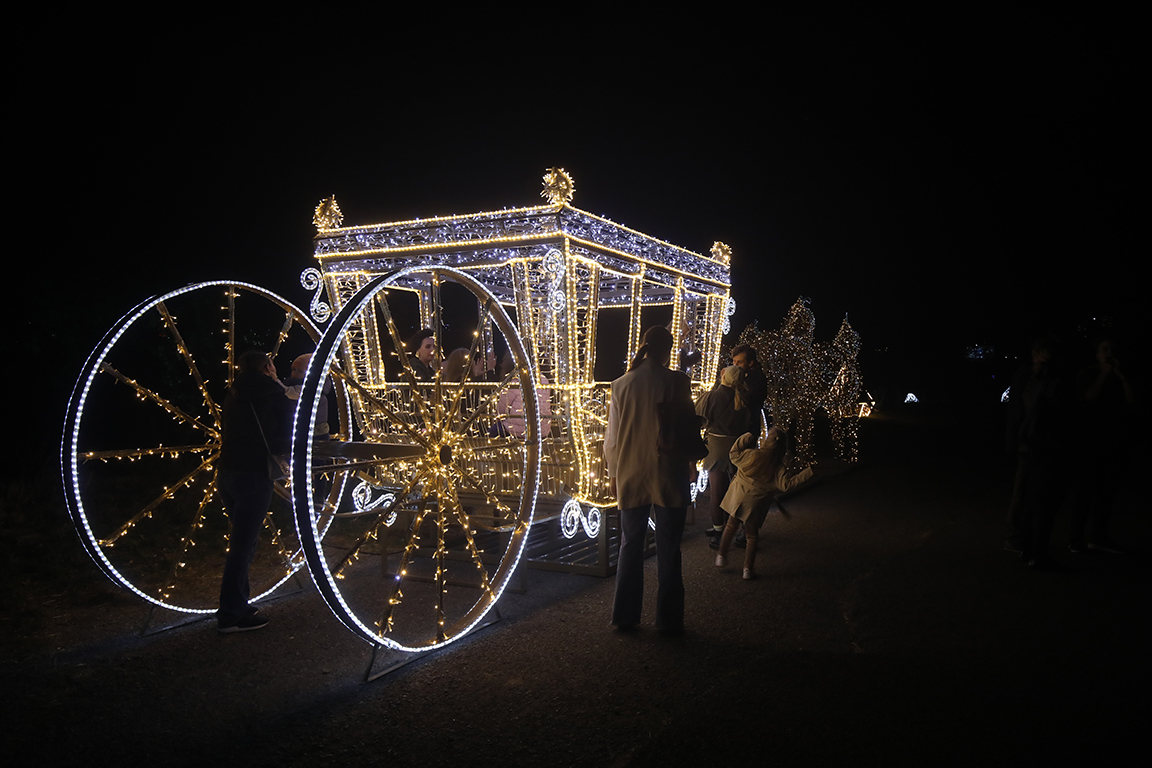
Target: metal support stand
(369,675)
(145,630)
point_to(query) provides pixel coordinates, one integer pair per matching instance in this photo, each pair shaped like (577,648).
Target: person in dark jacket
(1040,411)
(726,417)
(256,419)
(422,354)
(755,383)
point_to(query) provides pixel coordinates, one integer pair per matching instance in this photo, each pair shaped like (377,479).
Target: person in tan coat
(760,480)
(645,480)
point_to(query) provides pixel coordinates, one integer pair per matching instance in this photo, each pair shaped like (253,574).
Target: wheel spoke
(466,524)
(466,374)
(492,498)
(395,594)
(352,466)
(146,394)
(441,570)
(354,551)
(230,329)
(418,400)
(167,494)
(170,322)
(498,445)
(427,594)
(487,402)
(284,329)
(172,451)
(188,540)
(172,562)
(383,408)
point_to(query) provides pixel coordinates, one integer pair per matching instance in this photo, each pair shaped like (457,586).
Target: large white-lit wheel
(142,437)
(446,472)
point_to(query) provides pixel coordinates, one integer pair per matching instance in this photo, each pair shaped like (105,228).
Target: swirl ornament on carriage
(312,280)
(365,504)
(572,518)
(699,486)
(553,265)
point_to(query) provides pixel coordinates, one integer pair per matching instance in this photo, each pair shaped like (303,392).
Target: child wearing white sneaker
(760,478)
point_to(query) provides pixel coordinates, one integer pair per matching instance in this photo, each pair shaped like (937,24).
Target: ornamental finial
(722,253)
(328,215)
(558,186)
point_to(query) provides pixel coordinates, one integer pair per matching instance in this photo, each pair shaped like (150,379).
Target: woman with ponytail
(726,417)
(646,480)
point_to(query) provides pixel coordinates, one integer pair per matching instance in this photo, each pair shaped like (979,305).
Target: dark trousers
(629,599)
(246,496)
(1096,480)
(1040,483)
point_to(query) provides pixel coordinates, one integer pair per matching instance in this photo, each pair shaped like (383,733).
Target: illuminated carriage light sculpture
(142,438)
(466,497)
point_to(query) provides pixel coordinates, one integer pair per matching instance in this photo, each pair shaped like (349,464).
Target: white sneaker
(721,561)
(748,574)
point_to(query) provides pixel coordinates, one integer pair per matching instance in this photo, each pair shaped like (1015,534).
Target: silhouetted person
(257,417)
(1041,431)
(1107,399)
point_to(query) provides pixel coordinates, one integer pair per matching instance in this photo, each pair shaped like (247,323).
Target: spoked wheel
(446,470)
(143,434)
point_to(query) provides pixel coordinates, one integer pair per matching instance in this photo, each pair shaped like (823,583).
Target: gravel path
(888,628)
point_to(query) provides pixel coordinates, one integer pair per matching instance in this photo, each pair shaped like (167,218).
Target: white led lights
(169,546)
(447,470)
(447,473)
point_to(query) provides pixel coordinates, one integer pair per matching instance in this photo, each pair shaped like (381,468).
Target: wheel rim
(141,487)
(419,558)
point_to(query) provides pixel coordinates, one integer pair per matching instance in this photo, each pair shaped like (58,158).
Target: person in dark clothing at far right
(1041,432)
(1107,399)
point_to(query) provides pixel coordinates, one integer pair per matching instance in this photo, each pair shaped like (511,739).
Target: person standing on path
(646,480)
(257,418)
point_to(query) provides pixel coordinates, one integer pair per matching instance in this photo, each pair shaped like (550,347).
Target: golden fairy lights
(124,539)
(432,447)
(558,186)
(557,269)
(805,376)
(327,215)
(448,474)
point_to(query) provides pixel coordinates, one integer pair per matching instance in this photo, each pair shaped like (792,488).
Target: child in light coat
(760,479)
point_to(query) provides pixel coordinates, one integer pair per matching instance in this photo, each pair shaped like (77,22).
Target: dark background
(943,182)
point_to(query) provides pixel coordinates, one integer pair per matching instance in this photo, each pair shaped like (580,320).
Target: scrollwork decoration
(312,280)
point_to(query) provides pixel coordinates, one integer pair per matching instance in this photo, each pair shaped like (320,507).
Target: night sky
(942,182)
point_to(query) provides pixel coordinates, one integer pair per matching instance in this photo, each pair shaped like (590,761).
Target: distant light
(1004,397)
(911,398)
(980,351)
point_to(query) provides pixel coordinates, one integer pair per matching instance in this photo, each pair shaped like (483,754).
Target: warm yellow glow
(327,215)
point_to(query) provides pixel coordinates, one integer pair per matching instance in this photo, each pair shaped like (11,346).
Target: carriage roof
(487,242)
